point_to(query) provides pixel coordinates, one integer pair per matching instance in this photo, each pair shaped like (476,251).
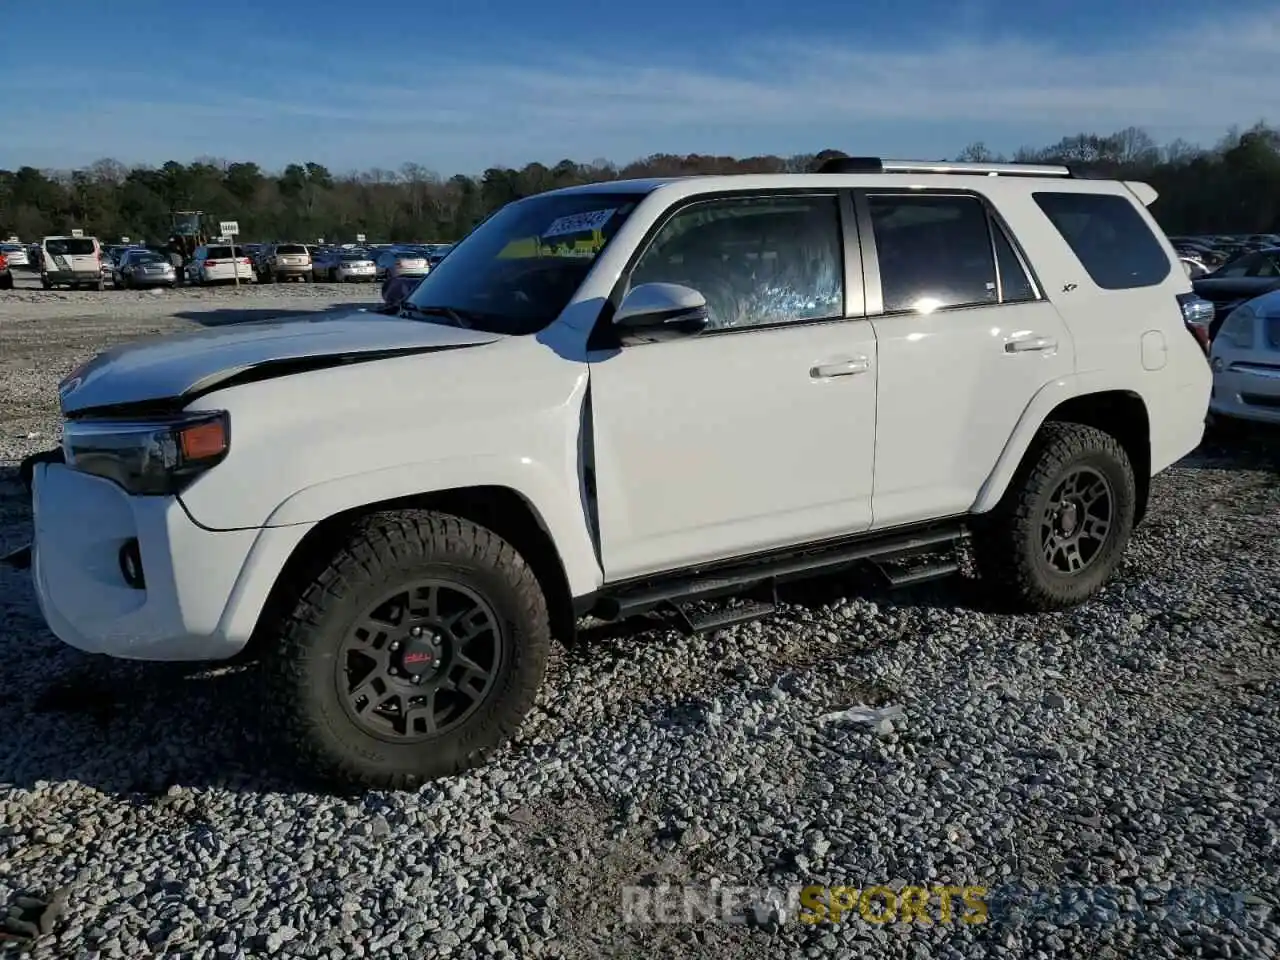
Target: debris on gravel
(1110,775)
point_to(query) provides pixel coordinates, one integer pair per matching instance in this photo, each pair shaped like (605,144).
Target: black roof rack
(876,165)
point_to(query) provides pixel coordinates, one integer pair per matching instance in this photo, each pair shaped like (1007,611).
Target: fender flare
(1046,400)
(558,507)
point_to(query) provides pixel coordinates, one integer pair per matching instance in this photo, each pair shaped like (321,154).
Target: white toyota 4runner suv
(619,399)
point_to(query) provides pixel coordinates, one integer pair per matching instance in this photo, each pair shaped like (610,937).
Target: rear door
(84,254)
(965,337)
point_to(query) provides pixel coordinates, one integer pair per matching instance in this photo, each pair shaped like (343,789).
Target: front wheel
(415,652)
(1063,525)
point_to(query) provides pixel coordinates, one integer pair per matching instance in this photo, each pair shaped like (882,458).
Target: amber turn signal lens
(203,440)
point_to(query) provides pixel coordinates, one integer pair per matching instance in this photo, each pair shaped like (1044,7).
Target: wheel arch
(1123,415)
(1114,408)
(501,509)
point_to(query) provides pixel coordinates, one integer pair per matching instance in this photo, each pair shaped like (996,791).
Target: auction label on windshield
(579,222)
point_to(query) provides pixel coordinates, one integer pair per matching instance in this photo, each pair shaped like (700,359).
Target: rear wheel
(1062,527)
(412,655)
(6,281)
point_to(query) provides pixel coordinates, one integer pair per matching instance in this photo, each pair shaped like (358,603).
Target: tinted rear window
(291,248)
(224,253)
(1109,237)
(71,247)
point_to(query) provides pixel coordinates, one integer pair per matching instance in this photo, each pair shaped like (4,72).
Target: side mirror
(654,312)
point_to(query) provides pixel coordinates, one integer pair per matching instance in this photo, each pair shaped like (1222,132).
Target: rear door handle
(1025,344)
(840,368)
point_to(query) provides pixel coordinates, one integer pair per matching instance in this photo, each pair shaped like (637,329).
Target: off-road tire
(1007,540)
(302,701)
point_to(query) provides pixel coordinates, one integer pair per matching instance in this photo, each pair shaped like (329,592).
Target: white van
(73,261)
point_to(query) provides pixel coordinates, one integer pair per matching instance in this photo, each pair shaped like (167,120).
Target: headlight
(1238,328)
(148,457)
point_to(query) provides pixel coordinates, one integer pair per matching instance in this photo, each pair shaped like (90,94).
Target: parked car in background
(1239,280)
(286,261)
(436,252)
(71,262)
(15,254)
(341,266)
(1245,359)
(6,274)
(400,262)
(140,267)
(1194,267)
(218,263)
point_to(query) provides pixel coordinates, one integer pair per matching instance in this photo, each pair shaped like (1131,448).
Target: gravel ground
(1126,751)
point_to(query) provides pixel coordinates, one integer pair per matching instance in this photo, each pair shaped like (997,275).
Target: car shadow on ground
(1237,445)
(196,726)
(229,316)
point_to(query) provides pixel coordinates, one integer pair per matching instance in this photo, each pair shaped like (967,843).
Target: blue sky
(460,85)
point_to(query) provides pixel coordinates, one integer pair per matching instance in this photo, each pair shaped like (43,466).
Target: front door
(759,432)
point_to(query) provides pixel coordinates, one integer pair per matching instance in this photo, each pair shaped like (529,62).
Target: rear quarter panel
(1119,335)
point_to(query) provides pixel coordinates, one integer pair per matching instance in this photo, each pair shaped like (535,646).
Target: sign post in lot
(231,229)
(77,232)
(359,238)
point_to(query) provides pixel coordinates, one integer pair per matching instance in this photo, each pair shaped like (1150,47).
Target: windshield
(291,248)
(518,270)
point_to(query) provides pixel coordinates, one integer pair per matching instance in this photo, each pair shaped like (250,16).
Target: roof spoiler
(1143,191)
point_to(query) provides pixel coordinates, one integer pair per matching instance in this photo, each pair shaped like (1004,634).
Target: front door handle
(1025,344)
(840,368)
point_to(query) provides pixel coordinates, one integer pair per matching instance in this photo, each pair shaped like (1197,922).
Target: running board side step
(634,598)
(921,573)
(719,619)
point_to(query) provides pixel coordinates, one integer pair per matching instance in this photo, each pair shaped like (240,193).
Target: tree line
(1230,187)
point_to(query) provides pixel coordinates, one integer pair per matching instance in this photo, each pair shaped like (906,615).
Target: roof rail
(876,165)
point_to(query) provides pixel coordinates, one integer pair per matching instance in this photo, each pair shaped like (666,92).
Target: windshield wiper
(455,318)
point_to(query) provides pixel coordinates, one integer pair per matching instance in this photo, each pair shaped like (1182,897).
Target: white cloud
(1191,80)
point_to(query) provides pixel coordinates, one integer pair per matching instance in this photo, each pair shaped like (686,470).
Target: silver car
(16,254)
(353,265)
(402,263)
(142,268)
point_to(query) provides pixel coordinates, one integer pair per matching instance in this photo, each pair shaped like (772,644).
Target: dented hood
(183,366)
